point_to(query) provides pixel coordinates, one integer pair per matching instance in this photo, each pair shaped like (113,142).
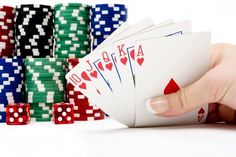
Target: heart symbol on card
(100,66)
(123,60)
(94,74)
(140,61)
(109,66)
(171,87)
(82,86)
(201,113)
(132,54)
(85,76)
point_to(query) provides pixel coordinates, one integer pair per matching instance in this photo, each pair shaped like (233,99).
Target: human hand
(217,87)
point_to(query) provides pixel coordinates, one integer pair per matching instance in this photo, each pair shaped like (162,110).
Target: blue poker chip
(15,74)
(101,24)
(2,117)
(10,93)
(115,16)
(108,12)
(12,80)
(98,41)
(11,60)
(107,31)
(15,98)
(109,7)
(111,19)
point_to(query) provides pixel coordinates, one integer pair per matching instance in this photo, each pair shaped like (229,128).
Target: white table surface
(108,138)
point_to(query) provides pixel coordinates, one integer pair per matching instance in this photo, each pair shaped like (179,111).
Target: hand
(217,87)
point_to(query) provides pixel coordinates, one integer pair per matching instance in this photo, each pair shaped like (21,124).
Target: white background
(108,138)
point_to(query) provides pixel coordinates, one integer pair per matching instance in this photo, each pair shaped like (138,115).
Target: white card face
(102,58)
(88,80)
(126,65)
(183,59)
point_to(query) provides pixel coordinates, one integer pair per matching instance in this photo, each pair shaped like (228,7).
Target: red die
(63,113)
(17,114)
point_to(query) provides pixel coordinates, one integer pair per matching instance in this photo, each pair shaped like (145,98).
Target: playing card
(125,63)
(100,62)
(169,63)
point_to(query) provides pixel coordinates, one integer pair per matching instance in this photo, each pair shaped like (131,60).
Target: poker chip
(72,31)
(11,83)
(105,19)
(83,109)
(44,85)
(7,14)
(34,31)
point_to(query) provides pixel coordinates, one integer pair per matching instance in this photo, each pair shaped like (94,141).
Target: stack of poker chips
(6,31)
(34,31)
(11,83)
(83,109)
(105,19)
(72,34)
(45,84)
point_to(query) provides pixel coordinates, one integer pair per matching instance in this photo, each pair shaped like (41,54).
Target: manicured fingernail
(156,105)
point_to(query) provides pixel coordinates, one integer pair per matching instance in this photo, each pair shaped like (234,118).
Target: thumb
(186,99)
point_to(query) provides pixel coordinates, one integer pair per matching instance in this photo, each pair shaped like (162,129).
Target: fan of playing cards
(138,62)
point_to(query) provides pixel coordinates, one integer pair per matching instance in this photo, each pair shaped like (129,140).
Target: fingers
(186,99)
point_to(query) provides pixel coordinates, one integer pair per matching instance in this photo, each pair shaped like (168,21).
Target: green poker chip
(44,89)
(43,115)
(72,23)
(71,5)
(73,35)
(40,105)
(42,75)
(40,119)
(80,52)
(71,26)
(46,99)
(45,61)
(41,109)
(38,112)
(50,70)
(70,55)
(72,30)
(66,32)
(70,18)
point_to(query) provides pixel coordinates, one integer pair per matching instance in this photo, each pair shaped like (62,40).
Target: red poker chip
(6,39)
(89,112)
(7,47)
(6,8)
(72,90)
(6,32)
(62,103)
(97,114)
(78,101)
(87,107)
(79,96)
(6,24)
(8,54)
(5,15)
(73,60)
(86,118)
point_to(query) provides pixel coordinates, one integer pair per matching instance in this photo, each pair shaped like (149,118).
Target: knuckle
(182,99)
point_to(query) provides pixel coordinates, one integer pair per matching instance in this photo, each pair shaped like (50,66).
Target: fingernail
(156,105)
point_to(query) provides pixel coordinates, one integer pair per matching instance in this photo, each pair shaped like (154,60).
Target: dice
(63,113)
(17,114)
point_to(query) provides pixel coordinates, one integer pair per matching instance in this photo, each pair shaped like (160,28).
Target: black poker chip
(34,31)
